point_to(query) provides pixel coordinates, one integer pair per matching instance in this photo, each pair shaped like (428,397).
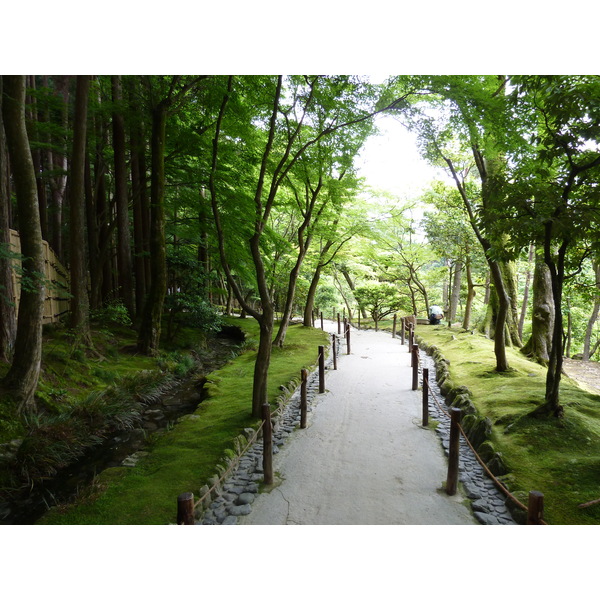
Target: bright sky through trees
(391,161)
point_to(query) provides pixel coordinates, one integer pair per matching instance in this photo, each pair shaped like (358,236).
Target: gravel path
(364,458)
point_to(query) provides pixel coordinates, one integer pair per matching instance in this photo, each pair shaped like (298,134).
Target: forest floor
(585,373)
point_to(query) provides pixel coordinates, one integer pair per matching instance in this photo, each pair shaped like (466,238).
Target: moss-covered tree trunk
(470,294)
(542,320)
(23,376)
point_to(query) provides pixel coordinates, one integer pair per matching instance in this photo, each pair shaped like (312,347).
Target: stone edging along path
(239,490)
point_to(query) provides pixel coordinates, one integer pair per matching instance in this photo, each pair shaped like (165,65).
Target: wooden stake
(535,508)
(267,445)
(425,396)
(321,369)
(185,509)
(454,451)
(303,402)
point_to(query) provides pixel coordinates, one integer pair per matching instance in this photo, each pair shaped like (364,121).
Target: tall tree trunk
(149,335)
(57,160)
(344,271)
(8,315)
(80,304)
(125,272)
(23,376)
(542,321)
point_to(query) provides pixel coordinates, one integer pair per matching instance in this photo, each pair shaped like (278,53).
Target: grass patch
(558,457)
(184,458)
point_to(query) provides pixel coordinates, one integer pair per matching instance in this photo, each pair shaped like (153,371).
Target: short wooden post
(358,320)
(425,396)
(267,445)
(535,508)
(415,363)
(185,509)
(402,328)
(334,350)
(454,451)
(394,327)
(321,320)
(410,337)
(348,338)
(339,324)
(321,369)
(303,402)
(344,313)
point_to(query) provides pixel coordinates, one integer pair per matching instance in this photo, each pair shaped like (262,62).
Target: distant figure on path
(435,315)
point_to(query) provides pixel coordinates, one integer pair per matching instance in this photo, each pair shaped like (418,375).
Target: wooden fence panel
(57,281)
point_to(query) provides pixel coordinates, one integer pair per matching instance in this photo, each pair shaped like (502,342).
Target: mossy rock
(478,429)
(463,401)
(461,390)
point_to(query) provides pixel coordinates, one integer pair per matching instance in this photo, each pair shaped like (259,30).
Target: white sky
(391,161)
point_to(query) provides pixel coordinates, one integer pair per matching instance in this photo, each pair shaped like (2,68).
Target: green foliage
(379,299)
(114,312)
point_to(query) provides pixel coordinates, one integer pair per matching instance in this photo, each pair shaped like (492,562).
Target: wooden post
(394,327)
(535,508)
(358,319)
(334,350)
(267,445)
(339,324)
(321,319)
(321,369)
(402,328)
(303,404)
(454,451)
(425,396)
(415,362)
(348,338)
(185,509)
(410,337)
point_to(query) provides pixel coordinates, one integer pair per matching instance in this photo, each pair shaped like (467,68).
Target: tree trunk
(80,305)
(509,278)
(23,376)
(542,321)
(351,285)
(125,269)
(455,295)
(310,297)
(149,335)
(470,295)
(593,318)
(8,316)
(525,302)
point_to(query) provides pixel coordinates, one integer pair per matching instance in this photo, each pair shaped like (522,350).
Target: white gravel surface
(364,458)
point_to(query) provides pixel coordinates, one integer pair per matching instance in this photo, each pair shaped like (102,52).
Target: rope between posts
(494,479)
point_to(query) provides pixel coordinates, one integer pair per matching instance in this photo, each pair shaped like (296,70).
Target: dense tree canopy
(178,198)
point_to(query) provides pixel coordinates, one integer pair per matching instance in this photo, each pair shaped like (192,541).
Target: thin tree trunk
(593,318)
(8,315)
(80,305)
(125,271)
(526,291)
(470,295)
(149,335)
(23,376)
(455,295)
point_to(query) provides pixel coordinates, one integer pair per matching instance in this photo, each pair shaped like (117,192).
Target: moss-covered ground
(184,458)
(558,457)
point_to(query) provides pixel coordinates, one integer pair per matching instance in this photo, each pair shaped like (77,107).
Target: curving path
(364,458)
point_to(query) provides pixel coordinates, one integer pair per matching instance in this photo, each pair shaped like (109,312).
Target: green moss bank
(558,457)
(185,458)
